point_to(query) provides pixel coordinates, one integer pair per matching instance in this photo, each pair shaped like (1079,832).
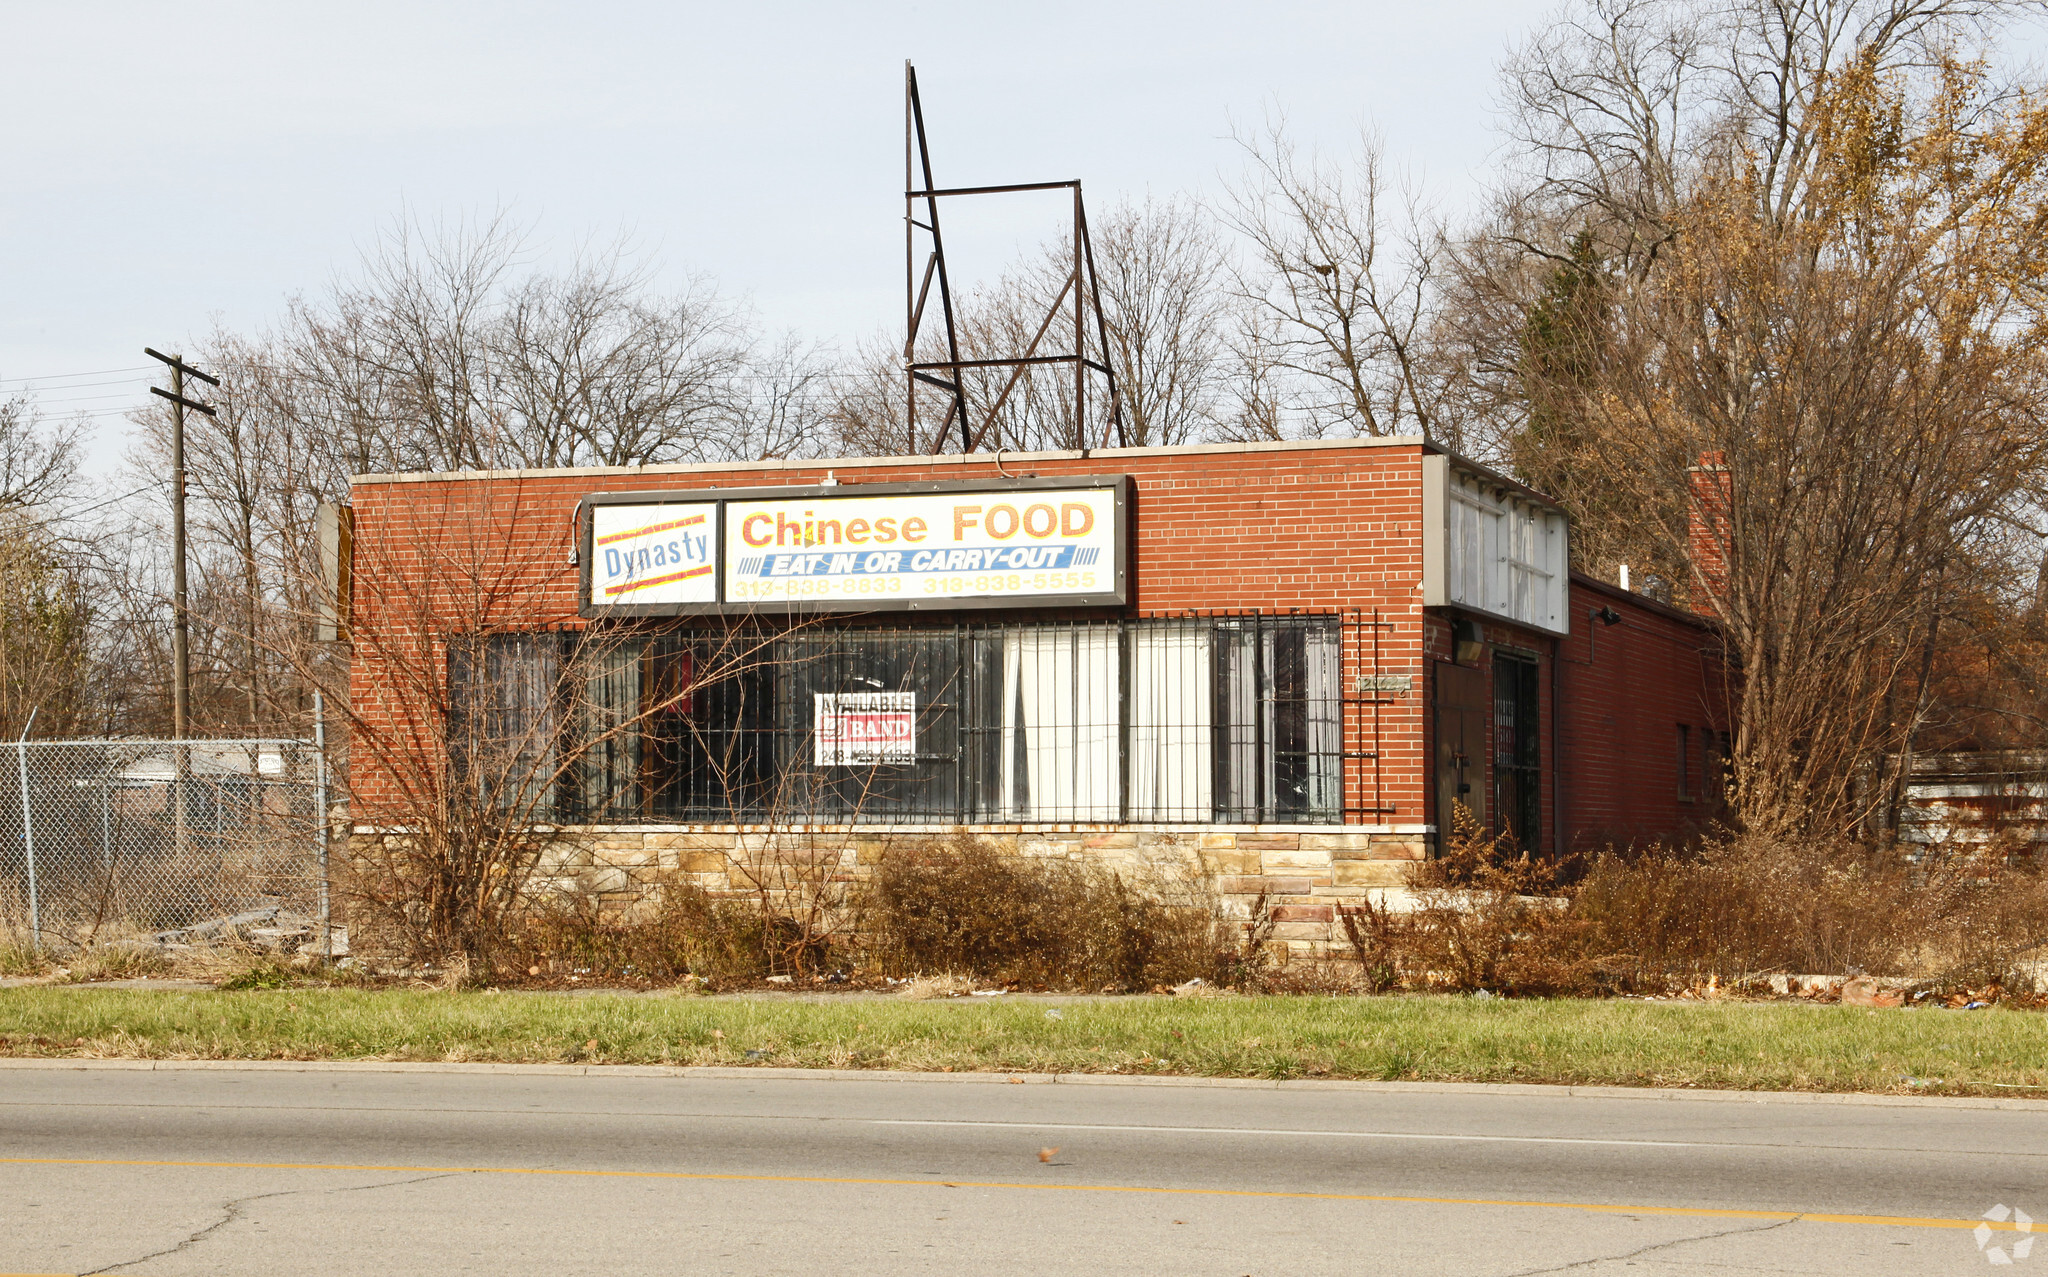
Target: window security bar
(1180,719)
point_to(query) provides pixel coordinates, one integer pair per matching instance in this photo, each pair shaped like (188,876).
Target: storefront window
(1183,720)
(505,724)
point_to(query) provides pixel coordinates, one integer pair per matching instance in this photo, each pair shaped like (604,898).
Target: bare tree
(1346,280)
(1617,112)
(255,476)
(1162,265)
(38,458)
(1848,405)
(445,355)
(45,640)
(1157,267)
(493,721)
(867,413)
(1615,106)
(1256,407)
(785,403)
(47,578)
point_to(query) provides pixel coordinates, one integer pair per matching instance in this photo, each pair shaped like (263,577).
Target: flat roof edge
(936,459)
(1644,601)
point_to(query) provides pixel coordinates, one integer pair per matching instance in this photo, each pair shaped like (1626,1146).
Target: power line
(66,376)
(153,483)
(111,394)
(98,413)
(82,385)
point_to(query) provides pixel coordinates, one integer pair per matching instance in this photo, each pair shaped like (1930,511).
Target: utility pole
(181,633)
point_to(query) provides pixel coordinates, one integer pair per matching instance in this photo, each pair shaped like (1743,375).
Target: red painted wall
(1611,700)
(1625,689)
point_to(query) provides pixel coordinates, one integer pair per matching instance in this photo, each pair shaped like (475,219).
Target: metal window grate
(1239,718)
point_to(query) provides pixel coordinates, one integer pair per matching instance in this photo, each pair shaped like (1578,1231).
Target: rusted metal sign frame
(1083,284)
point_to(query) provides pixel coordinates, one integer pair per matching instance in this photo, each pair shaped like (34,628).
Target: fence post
(320,820)
(28,836)
(107,811)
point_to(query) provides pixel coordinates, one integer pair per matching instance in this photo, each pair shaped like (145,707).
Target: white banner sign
(653,554)
(861,729)
(920,547)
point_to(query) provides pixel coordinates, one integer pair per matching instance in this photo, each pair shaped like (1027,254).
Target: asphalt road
(291,1172)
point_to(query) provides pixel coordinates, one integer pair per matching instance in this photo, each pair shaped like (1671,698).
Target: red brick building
(1291,654)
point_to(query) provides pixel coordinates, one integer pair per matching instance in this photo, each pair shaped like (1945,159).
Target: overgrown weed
(1722,914)
(19,958)
(125,961)
(962,905)
(264,973)
(681,931)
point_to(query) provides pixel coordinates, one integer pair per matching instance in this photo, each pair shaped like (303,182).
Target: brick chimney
(1710,513)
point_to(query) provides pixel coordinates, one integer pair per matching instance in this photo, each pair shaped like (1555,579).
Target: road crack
(1656,1246)
(232,1210)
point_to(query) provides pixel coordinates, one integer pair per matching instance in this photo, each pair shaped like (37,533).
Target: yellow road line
(1694,1212)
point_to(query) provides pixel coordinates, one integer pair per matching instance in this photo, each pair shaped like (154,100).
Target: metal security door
(1517,757)
(1460,744)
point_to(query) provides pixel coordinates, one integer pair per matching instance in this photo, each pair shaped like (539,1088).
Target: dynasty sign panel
(919,549)
(653,554)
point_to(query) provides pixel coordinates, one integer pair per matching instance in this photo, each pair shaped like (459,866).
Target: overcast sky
(167,167)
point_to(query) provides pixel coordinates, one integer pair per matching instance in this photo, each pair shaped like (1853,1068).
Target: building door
(1517,757)
(1460,745)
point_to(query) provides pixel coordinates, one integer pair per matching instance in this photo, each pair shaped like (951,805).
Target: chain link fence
(108,839)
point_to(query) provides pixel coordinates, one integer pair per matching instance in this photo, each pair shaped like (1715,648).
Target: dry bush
(1243,961)
(1724,913)
(1488,917)
(1738,908)
(962,905)
(1382,943)
(683,930)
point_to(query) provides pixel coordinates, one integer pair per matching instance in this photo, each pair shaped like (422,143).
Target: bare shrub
(1722,914)
(1489,918)
(963,905)
(1144,933)
(1381,942)
(1242,960)
(685,931)
(1741,908)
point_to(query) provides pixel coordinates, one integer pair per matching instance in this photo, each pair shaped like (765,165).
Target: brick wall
(1313,526)
(1611,699)
(1624,691)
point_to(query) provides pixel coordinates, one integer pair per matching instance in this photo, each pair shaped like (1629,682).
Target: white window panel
(1491,546)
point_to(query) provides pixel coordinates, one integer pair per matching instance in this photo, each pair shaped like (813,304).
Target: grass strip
(1748,1046)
